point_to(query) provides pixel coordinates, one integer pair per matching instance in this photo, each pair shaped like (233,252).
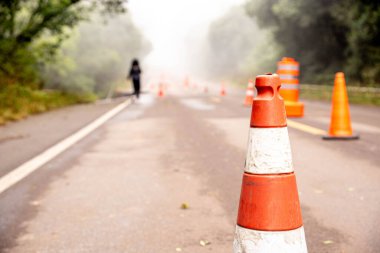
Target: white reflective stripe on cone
(290,86)
(268,151)
(288,77)
(254,241)
(288,67)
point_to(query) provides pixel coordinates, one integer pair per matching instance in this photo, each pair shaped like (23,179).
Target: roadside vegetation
(56,53)
(17,101)
(356,94)
(324,36)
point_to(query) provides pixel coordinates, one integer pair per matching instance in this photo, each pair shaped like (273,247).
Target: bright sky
(169,23)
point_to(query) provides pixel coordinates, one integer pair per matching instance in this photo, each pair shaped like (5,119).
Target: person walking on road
(134,74)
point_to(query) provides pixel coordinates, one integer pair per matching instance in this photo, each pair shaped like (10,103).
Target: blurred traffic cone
(269,215)
(249,94)
(222,90)
(160,90)
(340,125)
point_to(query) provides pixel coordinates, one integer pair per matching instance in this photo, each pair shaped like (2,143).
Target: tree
(363,52)
(325,36)
(22,22)
(306,30)
(97,56)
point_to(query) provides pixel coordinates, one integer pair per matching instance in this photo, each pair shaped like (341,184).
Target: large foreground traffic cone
(269,215)
(249,93)
(340,125)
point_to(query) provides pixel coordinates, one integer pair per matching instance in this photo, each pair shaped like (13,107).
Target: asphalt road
(121,189)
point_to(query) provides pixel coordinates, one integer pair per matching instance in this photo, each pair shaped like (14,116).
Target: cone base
(255,241)
(347,138)
(294,109)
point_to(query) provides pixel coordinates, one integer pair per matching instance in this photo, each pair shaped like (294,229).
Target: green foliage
(60,52)
(325,36)
(356,95)
(98,55)
(17,102)
(363,18)
(22,22)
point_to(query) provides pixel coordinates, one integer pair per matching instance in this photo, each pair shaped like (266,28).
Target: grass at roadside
(17,102)
(356,95)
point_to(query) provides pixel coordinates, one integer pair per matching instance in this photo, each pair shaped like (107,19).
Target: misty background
(87,46)
(235,49)
(237,40)
(97,55)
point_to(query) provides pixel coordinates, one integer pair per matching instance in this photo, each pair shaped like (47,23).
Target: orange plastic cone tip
(268,108)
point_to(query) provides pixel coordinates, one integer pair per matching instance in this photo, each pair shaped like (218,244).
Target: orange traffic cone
(340,125)
(160,90)
(222,90)
(269,215)
(249,94)
(186,82)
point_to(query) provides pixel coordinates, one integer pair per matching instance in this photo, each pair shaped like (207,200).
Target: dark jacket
(134,73)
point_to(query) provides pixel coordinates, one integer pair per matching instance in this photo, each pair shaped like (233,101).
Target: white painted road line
(35,163)
(305,128)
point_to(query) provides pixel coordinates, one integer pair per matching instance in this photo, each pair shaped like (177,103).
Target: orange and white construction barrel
(289,70)
(269,215)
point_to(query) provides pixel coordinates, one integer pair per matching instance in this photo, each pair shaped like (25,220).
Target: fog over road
(121,188)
